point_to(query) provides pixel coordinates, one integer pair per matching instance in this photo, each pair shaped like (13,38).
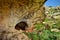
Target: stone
(14,11)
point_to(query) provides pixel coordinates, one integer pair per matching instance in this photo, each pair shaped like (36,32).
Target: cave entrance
(21,25)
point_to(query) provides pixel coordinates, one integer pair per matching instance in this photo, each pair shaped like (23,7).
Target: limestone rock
(15,11)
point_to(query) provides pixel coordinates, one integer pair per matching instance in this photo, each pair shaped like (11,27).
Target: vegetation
(49,29)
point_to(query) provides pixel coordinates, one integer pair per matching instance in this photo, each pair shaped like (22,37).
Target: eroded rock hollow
(13,12)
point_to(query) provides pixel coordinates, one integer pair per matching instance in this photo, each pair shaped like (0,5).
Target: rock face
(14,11)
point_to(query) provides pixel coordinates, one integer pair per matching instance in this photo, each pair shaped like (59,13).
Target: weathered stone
(15,11)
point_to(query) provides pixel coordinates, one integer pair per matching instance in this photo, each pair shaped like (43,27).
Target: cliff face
(15,11)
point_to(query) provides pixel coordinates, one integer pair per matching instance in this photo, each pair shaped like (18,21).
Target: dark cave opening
(21,26)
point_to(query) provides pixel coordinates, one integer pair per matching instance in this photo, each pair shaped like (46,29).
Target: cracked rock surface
(15,11)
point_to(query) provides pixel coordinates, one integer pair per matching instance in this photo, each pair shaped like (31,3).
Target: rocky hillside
(13,12)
